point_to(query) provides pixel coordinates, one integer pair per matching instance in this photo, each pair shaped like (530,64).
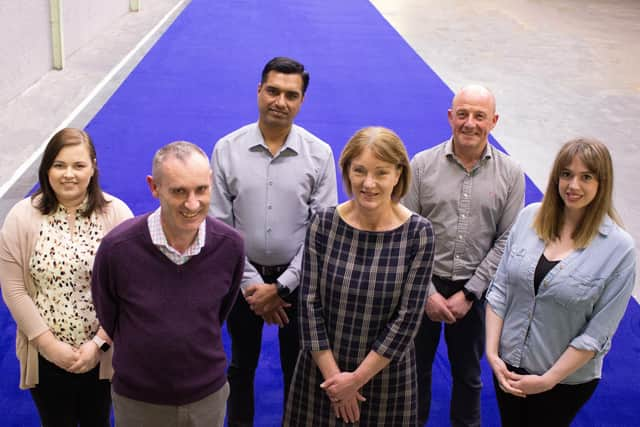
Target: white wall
(25,36)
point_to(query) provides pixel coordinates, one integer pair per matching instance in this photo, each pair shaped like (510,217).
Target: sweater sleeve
(18,229)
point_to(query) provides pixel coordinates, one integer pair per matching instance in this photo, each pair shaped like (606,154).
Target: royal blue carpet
(200,81)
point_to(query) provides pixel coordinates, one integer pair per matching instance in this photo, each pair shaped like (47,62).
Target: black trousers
(245,329)
(64,399)
(465,346)
(553,408)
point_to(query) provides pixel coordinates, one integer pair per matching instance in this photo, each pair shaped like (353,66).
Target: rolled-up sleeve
(609,308)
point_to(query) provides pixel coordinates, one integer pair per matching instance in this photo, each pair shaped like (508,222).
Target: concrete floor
(559,69)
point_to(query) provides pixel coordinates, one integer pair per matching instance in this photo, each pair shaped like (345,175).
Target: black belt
(447,287)
(270,270)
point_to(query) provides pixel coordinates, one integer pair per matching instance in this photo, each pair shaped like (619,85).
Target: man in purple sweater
(163,283)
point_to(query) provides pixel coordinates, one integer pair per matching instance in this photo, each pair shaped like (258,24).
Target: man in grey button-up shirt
(269,178)
(471,193)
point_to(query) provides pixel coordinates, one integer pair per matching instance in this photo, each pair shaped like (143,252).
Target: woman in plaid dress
(366,267)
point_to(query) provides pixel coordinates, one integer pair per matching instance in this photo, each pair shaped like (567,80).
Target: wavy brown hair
(48,202)
(550,218)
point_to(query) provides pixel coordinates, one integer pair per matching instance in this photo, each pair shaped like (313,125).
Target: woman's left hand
(88,358)
(341,386)
(531,384)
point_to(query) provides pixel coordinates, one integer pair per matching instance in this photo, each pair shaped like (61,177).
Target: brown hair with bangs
(550,218)
(387,146)
(48,201)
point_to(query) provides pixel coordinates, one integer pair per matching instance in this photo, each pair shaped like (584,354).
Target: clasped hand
(264,301)
(342,390)
(71,359)
(448,310)
(517,384)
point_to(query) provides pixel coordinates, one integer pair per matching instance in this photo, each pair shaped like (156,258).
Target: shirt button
(269,207)
(460,236)
(462,216)
(457,256)
(465,194)
(270,182)
(268,229)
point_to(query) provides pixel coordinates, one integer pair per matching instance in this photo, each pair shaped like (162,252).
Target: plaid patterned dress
(361,291)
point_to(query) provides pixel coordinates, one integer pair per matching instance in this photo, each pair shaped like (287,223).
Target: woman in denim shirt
(560,291)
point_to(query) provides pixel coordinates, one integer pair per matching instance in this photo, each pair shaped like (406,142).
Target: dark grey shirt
(270,199)
(471,212)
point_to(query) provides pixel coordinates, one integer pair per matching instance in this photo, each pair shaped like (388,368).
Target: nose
(68,172)
(574,182)
(192,203)
(469,122)
(368,181)
(280,100)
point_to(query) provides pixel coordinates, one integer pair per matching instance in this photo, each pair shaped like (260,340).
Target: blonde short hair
(387,146)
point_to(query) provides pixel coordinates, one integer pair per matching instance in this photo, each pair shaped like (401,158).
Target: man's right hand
(436,309)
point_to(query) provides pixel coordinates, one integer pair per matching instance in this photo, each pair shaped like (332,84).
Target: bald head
(475,94)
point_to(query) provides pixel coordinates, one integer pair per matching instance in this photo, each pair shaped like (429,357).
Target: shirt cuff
(476,286)
(289,279)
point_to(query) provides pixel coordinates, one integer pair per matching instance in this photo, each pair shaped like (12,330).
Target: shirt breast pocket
(577,291)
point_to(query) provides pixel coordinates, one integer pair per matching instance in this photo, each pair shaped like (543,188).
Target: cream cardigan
(18,237)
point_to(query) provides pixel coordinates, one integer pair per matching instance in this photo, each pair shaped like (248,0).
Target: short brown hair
(387,146)
(550,218)
(48,201)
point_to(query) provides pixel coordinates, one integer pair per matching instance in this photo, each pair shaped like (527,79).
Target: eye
(461,114)
(57,165)
(292,96)
(177,191)
(588,177)
(272,91)
(202,189)
(565,174)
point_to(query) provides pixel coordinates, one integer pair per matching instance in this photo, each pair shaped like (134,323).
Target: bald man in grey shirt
(471,193)
(269,179)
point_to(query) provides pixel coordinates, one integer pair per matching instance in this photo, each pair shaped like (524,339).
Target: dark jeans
(64,399)
(553,408)
(245,329)
(465,346)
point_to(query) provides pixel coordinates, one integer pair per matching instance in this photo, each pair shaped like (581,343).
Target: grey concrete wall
(25,37)
(85,19)
(25,45)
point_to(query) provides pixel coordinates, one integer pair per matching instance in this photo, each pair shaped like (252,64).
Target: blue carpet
(199,82)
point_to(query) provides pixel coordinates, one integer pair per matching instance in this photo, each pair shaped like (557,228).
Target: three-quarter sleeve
(399,332)
(313,332)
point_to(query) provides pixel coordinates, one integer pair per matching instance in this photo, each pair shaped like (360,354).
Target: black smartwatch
(283,291)
(470,296)
(102,344)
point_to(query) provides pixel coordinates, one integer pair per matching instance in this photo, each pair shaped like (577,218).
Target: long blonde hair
(550,218)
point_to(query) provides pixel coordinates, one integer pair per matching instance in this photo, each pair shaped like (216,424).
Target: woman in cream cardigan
(47,245)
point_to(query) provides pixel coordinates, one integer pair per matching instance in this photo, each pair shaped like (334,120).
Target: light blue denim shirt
(579,303)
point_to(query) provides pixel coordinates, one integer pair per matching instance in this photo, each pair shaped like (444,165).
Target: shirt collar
(291,143)
(606,226)
(448,150)
(160,239)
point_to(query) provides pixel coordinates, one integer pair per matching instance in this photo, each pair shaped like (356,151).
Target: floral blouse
(61,269)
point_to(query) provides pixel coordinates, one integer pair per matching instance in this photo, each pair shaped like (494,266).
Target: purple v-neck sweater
(165,319)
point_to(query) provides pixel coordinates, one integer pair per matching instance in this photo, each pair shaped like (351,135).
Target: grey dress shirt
(270,199)
(471,212)
(579,304)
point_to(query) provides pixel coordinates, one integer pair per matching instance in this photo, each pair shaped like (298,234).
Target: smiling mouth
(190,215)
